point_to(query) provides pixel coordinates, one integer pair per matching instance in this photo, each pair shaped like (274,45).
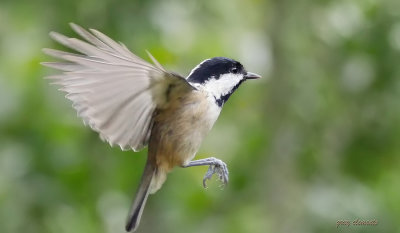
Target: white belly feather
(201,127)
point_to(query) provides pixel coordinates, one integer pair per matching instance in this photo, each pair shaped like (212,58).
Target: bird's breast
(180,128)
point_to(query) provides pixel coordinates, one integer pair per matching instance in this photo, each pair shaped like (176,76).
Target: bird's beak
(250,75)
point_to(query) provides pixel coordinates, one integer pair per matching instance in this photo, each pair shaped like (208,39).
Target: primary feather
(112,89)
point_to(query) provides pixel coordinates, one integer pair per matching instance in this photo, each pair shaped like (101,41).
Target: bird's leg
(215,166)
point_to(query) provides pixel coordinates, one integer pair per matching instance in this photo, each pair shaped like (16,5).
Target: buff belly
(178,132)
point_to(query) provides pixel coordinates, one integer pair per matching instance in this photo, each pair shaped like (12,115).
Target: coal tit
(132,103)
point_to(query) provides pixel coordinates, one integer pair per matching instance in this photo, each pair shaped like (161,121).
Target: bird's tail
(141,197)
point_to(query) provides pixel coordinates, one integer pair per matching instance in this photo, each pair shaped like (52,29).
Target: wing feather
(114,91)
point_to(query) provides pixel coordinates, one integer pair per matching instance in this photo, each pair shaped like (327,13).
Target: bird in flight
(132,103)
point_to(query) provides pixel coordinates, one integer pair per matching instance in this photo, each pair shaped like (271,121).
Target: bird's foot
(218,167)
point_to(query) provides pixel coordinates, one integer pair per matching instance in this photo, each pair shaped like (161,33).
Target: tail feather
(140,199)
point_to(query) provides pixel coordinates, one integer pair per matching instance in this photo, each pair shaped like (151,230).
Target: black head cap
(214,68)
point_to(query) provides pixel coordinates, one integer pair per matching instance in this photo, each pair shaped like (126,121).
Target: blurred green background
(315,141)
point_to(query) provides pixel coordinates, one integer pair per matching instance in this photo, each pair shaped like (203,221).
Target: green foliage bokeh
(313,142)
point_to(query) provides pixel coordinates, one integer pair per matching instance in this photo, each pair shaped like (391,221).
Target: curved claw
(218,167)
(210,172)
(215,166)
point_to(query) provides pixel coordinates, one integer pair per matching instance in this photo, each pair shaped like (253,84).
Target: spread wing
(113,90)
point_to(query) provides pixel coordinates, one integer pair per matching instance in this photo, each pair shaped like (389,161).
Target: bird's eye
(234,70)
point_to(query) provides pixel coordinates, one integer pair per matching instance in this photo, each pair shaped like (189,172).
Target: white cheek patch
(222,86)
